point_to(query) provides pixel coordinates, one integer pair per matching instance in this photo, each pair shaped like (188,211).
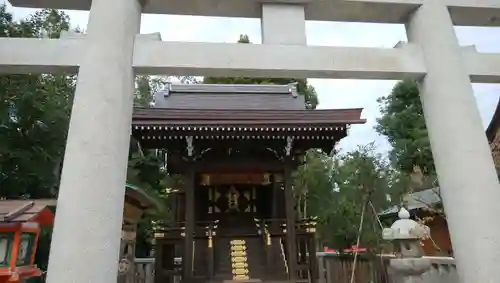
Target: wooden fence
(335,268)
(338,269)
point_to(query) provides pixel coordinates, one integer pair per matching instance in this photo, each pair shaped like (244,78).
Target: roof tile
(223,96)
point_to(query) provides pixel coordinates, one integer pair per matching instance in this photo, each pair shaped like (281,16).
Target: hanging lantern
(278,178)
(266,179)
(205,179)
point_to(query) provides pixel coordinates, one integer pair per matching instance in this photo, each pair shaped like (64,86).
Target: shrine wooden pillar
(276,188)
(210,253)
(313,261)
(291,238)
(272,227)
(187,260)
(175,204)
(158,262)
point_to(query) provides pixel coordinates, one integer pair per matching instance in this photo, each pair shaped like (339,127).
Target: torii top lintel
(463,12)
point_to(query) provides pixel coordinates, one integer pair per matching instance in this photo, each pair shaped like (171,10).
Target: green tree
(146,171)
(403,124)
(34,111)
(147,86)
(313,184)
(357,176)
(303,88)
(143,91)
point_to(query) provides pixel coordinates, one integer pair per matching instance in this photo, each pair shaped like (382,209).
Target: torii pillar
(90,204)
(464,164)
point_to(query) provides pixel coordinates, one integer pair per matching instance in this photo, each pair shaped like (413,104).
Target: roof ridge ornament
(164,93)
(231,88)
(293,89)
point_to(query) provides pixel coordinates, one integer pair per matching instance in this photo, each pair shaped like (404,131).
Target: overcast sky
(332,93)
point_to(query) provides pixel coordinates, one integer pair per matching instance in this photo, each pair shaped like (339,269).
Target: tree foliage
(146,171)
(147,86)
(335,190)
(356,177)
(34,111)
(403,123)
(313,184)
(303,87)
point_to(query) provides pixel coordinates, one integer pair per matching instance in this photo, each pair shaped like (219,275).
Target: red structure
(352,249)
(20,224)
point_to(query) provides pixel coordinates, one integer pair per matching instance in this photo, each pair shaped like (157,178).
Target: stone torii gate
(111,53)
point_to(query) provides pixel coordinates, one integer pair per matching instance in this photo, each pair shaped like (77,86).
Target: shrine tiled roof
(235,118)
(226,107)
(227,96)
(273,114)
(23,210)
(416,200)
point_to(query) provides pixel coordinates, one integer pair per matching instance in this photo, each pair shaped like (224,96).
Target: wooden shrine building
(236,147)
(493,135)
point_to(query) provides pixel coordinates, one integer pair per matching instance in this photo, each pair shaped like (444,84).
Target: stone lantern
(405,235)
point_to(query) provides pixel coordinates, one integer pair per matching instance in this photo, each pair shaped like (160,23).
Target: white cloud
(332,93)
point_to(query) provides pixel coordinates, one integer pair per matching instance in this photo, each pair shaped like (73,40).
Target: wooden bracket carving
(289,144)
(190,146)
